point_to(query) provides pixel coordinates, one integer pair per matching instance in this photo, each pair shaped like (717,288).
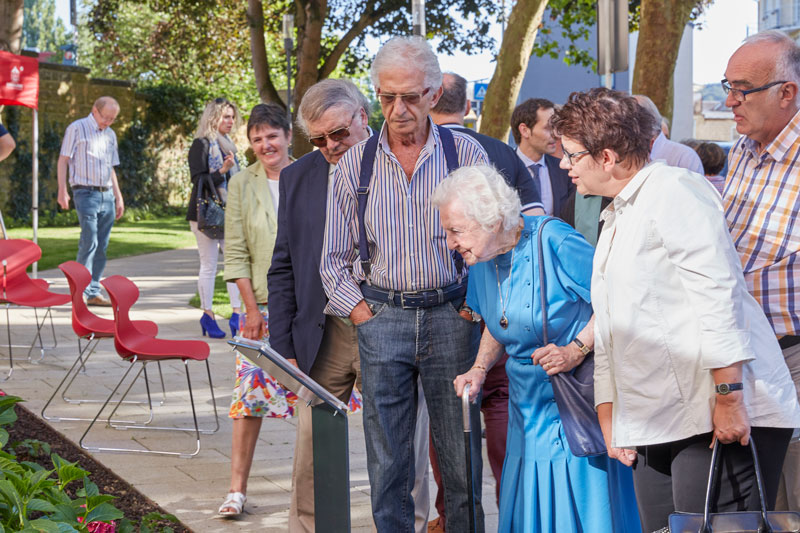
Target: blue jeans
(96,214)
(396,346)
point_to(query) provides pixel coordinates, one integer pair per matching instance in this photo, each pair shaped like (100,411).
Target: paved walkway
(192,489)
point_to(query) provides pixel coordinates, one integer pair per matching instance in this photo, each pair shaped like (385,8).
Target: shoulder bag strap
(367,164)
(542,284)
(451,159)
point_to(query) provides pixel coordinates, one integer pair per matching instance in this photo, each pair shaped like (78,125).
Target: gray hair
(484,195)
(787,64)
(648,105)
(328,94)
(454,95)
(407,53)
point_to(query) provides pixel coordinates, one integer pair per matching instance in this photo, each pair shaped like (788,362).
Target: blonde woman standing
(213,156)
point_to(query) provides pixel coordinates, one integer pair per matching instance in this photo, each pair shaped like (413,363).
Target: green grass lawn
(131,238)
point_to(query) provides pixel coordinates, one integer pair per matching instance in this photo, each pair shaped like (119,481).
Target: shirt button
(527,328)
(528,306)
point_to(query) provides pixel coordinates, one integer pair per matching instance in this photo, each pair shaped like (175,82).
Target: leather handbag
(574,390)
(210,210)
(761,521)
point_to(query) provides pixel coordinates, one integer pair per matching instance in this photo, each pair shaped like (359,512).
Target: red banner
(19,80)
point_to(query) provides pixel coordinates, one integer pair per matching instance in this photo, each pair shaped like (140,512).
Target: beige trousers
(337,368)
(789,488)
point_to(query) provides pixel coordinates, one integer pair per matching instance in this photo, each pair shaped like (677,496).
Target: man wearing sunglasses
(762,195)
(390,272)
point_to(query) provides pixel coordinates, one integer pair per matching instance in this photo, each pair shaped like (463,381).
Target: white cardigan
(671,304)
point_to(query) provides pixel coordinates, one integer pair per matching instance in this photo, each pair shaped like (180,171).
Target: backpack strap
(451,158)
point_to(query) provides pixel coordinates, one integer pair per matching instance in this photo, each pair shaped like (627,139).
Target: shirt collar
(779,146)
(527,160)
(430,143)
(626,195)
(93,122)
(660,140)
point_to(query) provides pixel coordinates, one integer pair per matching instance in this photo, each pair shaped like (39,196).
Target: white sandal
(235,501)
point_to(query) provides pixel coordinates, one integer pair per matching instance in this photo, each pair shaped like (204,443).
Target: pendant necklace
(504,301)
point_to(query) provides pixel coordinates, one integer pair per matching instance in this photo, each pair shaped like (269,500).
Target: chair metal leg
(213,398)
(10,353)
(74,373)
(39,326)
(196,429)
(112,423)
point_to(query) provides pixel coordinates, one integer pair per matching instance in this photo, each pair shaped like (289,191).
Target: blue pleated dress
(544,487)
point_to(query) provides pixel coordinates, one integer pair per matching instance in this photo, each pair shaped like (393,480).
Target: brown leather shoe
(99,300)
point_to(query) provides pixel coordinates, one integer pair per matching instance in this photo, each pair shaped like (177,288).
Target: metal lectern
(329,423)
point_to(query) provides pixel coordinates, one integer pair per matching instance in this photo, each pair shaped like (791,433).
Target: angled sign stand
(329,426)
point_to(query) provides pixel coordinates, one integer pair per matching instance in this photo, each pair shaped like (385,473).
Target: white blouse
(671,304)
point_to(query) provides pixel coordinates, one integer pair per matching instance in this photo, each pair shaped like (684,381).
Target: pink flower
(101,527)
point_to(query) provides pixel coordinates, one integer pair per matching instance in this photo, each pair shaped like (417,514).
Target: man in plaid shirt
(762,197)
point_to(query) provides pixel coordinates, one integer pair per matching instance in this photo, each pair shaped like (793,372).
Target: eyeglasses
(570,156)
(408,98)
(740,95)
(341,134)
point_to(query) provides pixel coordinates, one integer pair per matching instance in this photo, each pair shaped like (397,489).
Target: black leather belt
(416,299)
(90,188)
(787,341)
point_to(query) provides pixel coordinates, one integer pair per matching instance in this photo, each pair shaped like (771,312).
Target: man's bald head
(105,111)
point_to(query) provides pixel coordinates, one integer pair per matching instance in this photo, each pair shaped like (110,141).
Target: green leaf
(68,473)
(123,526)
(10,465)
(44,525)
(65,512)
(3,438)
(66,528)
(94,501)
(9,491)
(9,416)
(36,504)
(105,512)
(90,489)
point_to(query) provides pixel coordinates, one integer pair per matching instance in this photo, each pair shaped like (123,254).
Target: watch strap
(582,347)
(727,388)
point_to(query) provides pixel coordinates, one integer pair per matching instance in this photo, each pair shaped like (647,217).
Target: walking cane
(468,452)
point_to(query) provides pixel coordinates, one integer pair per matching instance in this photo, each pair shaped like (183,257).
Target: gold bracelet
(479,367)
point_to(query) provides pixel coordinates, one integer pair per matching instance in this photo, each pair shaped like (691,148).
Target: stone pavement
(192,489)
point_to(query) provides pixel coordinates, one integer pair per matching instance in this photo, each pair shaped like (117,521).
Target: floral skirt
(256,393)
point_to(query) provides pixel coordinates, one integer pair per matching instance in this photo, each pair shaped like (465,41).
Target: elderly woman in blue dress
(544,487)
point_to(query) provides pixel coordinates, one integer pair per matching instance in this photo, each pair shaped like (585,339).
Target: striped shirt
(92,153)
(407,246)
(762,205)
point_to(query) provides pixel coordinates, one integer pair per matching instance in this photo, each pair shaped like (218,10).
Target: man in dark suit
(450,111)
(530,125)
(334,115)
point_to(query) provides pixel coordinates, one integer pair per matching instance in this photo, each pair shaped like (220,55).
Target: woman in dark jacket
(213,155)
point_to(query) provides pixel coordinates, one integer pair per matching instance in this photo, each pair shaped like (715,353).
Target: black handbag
(573,391)
(761,521)
(210,210)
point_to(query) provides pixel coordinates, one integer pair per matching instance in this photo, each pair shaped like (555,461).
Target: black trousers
(673,476)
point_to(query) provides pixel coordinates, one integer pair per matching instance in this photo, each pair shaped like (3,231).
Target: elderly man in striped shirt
(762,196)
(390,272)
(89,151)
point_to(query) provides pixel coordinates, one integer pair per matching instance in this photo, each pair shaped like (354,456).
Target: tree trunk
(512,62)
(11,25)
(660,32)
(258,53)
(310,17)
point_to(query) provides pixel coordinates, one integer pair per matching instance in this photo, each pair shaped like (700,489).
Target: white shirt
(676,154)
(545,187)
(671,304)
(92,153)
(274,191)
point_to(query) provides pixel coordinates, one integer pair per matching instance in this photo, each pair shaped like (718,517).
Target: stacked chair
(90,329)
(137,345)
(19,289)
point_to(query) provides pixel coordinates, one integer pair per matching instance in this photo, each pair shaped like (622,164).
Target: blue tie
(534,170)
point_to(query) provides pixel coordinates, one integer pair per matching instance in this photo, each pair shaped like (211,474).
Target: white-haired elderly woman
(544,487)
(213,156)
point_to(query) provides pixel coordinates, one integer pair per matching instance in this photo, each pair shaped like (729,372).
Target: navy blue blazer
(296,297)
(560,182)
(503,157)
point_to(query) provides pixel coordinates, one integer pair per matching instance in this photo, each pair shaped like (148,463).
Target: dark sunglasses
(336,135)
(408,98)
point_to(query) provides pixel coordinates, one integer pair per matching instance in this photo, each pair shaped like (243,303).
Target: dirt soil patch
(130,501)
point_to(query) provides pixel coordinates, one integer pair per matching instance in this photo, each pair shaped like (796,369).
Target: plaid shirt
(762,205)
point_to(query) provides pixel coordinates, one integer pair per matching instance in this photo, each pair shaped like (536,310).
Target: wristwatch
(582,347)
(727,388)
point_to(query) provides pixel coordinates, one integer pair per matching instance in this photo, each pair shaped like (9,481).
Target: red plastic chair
(136,346)
(90,328)
(18,289)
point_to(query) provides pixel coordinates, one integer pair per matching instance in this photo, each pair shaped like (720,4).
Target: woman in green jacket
(251,223)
